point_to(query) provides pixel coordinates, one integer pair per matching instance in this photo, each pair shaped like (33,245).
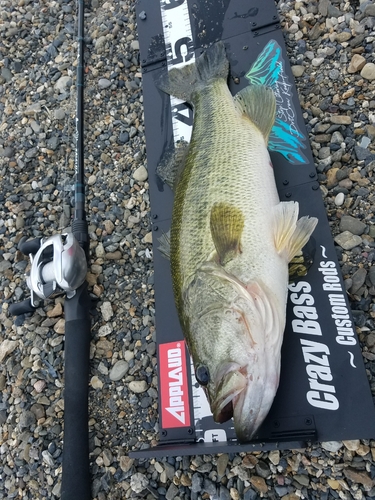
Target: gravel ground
(331,47)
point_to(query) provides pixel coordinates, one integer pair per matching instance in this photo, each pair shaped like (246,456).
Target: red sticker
(175,408)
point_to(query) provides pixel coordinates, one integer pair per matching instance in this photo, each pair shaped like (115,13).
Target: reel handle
(30,246)
(19,308)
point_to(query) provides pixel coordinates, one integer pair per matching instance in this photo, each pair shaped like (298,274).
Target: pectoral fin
(291,235)
(226,223)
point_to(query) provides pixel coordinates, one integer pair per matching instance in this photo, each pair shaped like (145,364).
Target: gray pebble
(281,490)
(104,83)
(59,114)
(123,137)
(250,494)
(358,280)
(4,265)
(8,152)
(6,74)
(138,482)
(361,153)
(47,458)
(371,274)
(63,84)
(298,70)
(337,138)
(334,74)
(119,369)
(171,492)
(349,223)
(27,419)
(209,487)
(53,142)
(196,482)
(347,240)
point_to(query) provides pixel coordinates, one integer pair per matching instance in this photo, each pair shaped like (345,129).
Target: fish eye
(202,374)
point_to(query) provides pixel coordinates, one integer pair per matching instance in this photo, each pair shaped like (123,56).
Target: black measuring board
(324,393)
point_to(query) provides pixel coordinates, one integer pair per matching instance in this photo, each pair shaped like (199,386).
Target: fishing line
(68,164)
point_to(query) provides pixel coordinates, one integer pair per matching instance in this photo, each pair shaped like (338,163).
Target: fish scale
(220,168)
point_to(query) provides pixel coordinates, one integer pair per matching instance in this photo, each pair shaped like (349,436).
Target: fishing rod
(59,265)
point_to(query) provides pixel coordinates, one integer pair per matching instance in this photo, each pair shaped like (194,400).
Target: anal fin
(165,244)
(291,235)
(172,164)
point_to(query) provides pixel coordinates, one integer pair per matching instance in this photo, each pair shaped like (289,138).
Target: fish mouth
(251,406)
(243,397)
(231,383)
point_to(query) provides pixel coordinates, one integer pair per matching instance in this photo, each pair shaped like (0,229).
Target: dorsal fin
(258,103)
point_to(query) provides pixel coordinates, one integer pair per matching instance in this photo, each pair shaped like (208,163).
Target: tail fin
(183,82)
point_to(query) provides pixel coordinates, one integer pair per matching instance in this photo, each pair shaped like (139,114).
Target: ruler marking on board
(179,49)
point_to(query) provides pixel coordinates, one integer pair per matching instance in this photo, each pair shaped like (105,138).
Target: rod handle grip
(76,482)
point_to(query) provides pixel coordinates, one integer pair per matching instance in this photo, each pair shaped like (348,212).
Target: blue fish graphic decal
(285,138)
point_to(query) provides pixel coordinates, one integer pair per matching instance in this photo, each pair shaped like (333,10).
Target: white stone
(368,71)
(135,45)
(332,446)
(47,458)
(128,355)
(7,347)
(96,383)
(106,310)
(138,386)
(317,61)
(99,250)
(339,199)
(140,174)
(91,180)
(63,83)
(274,457)
(104,330)
(147,238)
(298,70)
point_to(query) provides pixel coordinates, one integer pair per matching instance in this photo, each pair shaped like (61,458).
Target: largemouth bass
(230,243)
